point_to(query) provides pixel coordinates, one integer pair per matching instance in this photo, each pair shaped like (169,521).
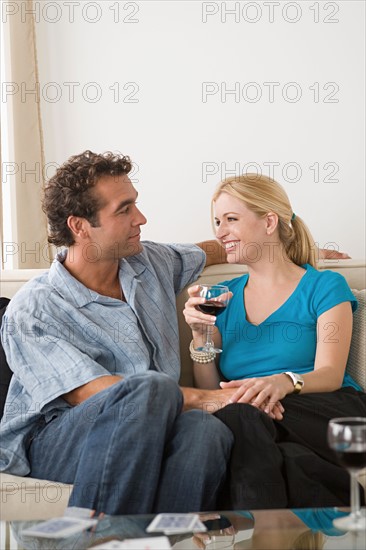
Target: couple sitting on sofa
(93,345)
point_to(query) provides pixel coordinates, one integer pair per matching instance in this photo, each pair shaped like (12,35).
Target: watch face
(299,379)
(296,378)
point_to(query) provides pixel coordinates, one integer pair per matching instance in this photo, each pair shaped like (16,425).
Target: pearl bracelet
(201,356)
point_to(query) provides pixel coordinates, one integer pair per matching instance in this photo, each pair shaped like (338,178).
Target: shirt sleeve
(332,289)
(45,362)
(184,261)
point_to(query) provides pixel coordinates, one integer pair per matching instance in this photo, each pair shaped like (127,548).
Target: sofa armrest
(25,498)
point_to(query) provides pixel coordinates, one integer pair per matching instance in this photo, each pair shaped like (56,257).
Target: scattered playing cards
(77,512)
(171,524)
(59,527)
(150,543)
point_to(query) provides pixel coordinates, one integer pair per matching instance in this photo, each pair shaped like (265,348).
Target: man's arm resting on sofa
(80,394)
(215,254)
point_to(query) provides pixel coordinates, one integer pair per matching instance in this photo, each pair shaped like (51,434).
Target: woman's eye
(231,219)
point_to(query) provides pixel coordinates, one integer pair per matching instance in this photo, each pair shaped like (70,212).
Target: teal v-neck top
(286,340)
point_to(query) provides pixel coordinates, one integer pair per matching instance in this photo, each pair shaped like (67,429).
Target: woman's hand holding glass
(202,298)
(194,318)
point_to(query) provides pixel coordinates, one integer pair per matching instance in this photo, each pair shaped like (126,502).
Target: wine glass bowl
(347,438)
(218,540)
(217,298)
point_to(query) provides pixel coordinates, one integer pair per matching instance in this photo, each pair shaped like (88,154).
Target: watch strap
(296,380)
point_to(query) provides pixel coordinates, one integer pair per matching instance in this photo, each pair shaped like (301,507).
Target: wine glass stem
(209,333)
(355,495)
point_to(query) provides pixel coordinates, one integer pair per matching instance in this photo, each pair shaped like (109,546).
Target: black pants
(287,463)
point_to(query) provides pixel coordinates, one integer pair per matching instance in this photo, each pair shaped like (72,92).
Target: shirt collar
(74,292)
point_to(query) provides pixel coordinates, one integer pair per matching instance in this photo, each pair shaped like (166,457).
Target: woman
(285,338)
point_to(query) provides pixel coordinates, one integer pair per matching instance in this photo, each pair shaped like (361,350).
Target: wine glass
(347,437)
(217,540)
(217,298)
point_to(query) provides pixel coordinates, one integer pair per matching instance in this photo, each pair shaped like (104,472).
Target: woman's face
(240,231)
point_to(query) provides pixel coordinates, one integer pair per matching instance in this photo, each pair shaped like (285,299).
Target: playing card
(149,543)
(77,512)
(59,527)
(198,527)
(110,545)
(174,523)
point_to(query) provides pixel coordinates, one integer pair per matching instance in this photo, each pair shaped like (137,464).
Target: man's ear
(78,226)
(271,222)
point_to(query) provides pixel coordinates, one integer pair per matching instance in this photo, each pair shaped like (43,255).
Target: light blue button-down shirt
(58,335)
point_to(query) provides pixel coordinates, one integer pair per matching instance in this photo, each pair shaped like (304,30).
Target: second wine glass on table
(347,437)
(217,298)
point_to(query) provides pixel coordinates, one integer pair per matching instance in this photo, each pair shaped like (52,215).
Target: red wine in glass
(353,458)
(212,307)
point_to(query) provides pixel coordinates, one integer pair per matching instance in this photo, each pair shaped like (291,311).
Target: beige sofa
(26,498)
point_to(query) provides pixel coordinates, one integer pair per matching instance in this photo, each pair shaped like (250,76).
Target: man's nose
(140,218)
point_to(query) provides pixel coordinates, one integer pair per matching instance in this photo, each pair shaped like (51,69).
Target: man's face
(118,233)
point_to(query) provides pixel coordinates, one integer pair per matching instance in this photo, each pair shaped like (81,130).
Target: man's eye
(126,209)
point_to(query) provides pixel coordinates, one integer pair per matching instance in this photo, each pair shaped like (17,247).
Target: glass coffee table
(288,529)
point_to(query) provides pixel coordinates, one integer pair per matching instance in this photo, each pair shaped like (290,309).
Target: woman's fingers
(193,315)
(258,392)
(231,384)
(194,290)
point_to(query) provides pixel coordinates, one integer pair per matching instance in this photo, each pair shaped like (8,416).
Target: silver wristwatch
(297,381)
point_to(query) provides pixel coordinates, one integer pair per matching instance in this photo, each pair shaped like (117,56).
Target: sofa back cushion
(356,364)
(5,372)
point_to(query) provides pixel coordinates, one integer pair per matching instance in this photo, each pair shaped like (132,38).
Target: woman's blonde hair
(261,195)
(309,541)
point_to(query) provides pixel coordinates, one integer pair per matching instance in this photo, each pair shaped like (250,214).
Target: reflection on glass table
(271,529)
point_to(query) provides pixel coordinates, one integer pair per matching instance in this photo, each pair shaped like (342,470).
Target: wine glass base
(351,523)
(209,349)
(219,542)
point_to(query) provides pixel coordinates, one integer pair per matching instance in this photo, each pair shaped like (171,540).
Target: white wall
(311,51)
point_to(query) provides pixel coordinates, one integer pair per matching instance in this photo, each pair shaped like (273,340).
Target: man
(93,345)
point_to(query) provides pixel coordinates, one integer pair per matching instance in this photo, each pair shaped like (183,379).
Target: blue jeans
(130,450)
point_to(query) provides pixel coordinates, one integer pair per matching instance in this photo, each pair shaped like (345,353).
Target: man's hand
(327,254)
(207,400)
(80,394)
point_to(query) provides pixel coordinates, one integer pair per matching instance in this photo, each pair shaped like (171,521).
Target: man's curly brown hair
(70,191)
